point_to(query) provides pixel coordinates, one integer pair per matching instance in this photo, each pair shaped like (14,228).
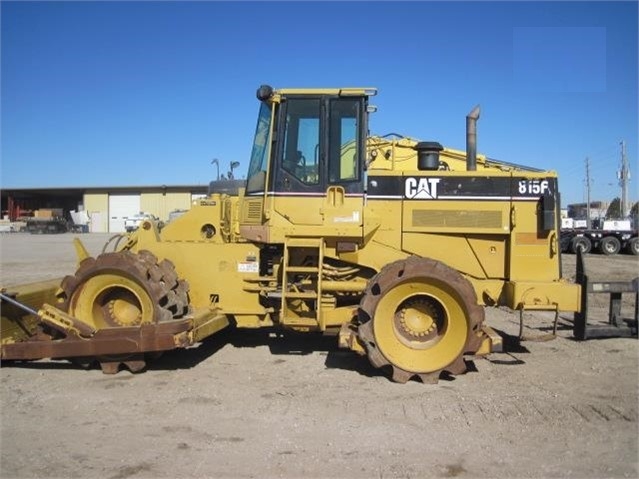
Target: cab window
(344,144)
(302,140)
(259,154)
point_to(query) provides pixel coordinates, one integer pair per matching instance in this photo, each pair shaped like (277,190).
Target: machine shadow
(286,343)
(41,364)
(511,345)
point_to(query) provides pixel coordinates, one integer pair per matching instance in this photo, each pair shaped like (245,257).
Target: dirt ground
(250,404)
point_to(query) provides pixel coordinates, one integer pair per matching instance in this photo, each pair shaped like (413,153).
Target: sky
(148,93)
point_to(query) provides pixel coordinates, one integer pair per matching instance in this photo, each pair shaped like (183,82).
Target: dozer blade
(33,329)
(104,342)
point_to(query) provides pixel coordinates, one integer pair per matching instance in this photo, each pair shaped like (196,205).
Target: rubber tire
(422,269)
(158,280)
(581,242)
(609,246)
(633,246)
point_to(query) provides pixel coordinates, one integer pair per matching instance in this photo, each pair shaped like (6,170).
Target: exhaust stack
(471,139)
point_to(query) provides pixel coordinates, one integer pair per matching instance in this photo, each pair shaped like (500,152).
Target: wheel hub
(417,319)
(125,312)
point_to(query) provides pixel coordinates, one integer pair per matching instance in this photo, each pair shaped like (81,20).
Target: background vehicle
(132,223)
(612,238)
(390,244)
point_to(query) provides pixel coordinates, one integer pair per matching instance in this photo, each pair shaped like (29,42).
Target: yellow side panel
(299,211)
(215,272)
(332,215)
(491,253)
(559,295)
(478,257)
(533,253)
(388,215)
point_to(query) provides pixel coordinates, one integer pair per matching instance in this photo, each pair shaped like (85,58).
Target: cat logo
(421,188)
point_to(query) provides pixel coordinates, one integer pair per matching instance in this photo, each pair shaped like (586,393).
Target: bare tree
(614,210)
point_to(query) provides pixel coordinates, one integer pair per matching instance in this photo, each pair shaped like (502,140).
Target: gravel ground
(253,404)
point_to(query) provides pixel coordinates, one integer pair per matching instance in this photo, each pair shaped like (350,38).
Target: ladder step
(300,322)
(289,293)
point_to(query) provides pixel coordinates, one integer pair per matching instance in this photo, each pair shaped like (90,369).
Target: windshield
(257,168)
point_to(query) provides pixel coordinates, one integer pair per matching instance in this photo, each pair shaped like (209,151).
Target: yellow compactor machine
(392,245)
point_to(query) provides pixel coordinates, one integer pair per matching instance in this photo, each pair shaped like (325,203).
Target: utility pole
(624,176)
(587,193)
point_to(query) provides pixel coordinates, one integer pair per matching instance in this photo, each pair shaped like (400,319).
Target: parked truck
(392,245)
(614,236)
(47,221)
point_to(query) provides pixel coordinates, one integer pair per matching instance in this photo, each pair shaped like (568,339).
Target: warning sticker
(248,267)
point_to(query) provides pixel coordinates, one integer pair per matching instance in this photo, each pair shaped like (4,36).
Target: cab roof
(349,91)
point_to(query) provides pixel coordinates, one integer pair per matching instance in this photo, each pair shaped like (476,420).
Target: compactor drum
(393,245)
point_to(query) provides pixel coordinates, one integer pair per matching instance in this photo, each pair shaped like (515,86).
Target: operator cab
(307,163)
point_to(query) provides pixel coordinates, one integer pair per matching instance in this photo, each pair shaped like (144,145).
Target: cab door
(318,178)
(298,187)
